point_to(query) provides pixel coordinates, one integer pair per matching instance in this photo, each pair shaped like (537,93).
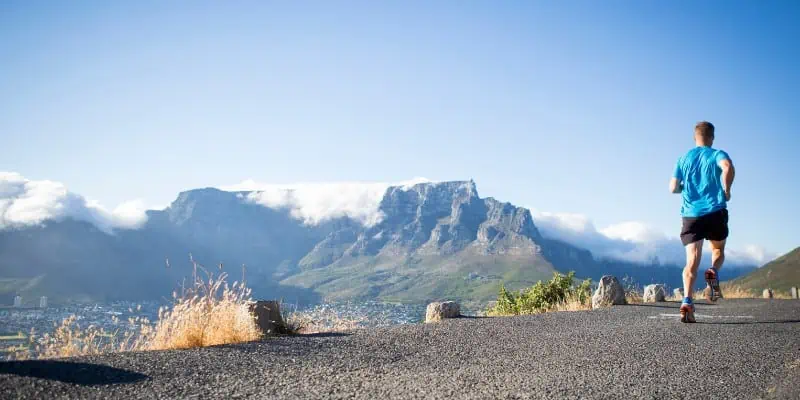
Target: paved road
(739,349)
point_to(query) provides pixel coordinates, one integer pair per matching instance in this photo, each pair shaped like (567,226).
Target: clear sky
(563,106)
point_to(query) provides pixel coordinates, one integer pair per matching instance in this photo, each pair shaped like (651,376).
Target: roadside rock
(609,292)
(267,314)
(767,294)
(440,310)
(654,293)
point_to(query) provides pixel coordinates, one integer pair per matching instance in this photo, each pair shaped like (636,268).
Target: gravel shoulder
(739,349)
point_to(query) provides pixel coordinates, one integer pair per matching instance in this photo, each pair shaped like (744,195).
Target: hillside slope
(779,274)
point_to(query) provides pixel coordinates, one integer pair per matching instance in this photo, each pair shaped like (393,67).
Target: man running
(703,176)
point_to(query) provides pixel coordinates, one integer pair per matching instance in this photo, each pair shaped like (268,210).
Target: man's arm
(676,183)
(728,173)
(675,186)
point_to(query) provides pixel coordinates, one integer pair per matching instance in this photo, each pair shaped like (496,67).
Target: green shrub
(559,293)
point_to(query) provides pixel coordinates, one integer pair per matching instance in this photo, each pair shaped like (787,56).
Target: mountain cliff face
(432,240)
(433,219)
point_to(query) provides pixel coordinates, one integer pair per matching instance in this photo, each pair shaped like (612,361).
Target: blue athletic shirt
(703,192)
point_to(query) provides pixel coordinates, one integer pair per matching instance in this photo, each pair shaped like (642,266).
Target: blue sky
(575,106)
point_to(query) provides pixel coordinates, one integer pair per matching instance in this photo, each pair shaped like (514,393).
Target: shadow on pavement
(70,372)
(672,306)
(793,321)
(325,334)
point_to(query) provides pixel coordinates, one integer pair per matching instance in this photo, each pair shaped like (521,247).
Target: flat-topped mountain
(422,241)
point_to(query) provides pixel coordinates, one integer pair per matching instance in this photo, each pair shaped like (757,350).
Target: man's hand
(728,172)
(675,186)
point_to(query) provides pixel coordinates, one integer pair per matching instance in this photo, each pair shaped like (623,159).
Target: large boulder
(609,292)
(767,294)
(654,293)
(441,310)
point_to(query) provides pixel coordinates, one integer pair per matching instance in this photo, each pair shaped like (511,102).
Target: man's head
(704,133)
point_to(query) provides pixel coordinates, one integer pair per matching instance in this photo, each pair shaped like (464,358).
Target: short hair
(704,129)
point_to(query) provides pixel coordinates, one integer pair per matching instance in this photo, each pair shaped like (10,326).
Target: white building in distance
(17,301)
(43,302)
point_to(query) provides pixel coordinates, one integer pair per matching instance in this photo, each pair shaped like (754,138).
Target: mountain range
(431,241)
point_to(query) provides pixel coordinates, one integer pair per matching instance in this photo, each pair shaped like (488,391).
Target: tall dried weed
(206,313)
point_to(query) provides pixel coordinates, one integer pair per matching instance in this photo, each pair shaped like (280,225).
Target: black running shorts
(712,226)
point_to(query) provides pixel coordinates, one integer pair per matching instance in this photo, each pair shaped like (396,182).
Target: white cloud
(24,202)
(751,252)
(130,214)
(632,240)
(633,231)
(318,202)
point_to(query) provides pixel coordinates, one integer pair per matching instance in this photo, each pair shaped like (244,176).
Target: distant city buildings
(43,302)
(17,301)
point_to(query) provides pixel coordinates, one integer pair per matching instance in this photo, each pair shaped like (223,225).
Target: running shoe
(713,291)
(687,312)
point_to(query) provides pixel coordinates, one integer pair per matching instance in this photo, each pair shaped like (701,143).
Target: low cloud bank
(314,203)
(24,202)
(632,241)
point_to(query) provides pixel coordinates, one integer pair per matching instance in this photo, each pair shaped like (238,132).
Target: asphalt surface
(738,349)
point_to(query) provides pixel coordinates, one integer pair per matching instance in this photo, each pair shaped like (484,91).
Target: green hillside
(460,277)
(780,274)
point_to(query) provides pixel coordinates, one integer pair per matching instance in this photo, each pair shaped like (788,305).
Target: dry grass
(732,291)
(673,298)
(632,290)
(209,312)
(572,303)
(737,292)
(321,320)
(70,340)
(633,297)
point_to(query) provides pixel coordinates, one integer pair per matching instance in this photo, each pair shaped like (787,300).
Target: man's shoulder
(705,153)
(720,155)
(689,154)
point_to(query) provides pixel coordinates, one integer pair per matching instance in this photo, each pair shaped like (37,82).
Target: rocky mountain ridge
(432,240)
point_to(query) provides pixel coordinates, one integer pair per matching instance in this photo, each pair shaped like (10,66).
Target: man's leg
(692,239)
(712,274)
(716,232)
(694,252)
(717,253)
